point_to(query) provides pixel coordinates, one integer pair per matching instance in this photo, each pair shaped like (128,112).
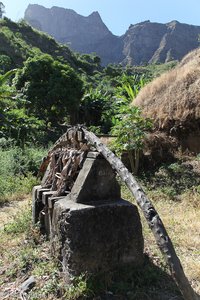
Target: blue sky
(117,14)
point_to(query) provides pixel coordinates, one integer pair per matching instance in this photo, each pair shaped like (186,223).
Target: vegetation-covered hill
(18,41)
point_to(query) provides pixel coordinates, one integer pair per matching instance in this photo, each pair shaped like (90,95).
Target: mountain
(149,42)
(67,26)
(82,34)
(142,43)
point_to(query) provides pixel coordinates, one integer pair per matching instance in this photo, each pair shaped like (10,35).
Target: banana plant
(130,131)
(129,124)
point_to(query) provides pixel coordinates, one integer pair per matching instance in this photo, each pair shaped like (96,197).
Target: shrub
(18,169)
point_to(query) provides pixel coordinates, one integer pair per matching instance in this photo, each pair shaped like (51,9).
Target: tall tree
(2,9)
(14,122)
(52,90)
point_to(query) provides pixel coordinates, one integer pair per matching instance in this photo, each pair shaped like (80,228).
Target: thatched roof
(173,99)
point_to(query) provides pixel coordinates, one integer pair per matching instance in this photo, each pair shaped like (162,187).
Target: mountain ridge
(143,43)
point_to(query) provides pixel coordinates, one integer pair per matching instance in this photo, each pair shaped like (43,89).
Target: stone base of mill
(96,237)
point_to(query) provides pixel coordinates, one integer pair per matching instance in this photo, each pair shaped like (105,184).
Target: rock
(145,42)
(28,284)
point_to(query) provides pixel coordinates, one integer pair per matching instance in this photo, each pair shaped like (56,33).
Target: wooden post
(155,223)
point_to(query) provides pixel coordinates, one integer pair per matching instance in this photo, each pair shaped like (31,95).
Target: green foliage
(173,179)
(52,90)
(21,127)
(129,124)
(78,288)
(129,86)
(50,93)
(17,161)
(14,188)
(91,107)
(88,63)
(14,122)
(19,41)
(106,94)
(156,70)
(5,63)
(95,129)
(130,130)
(6,93)
(113,70)
(17,168)
(4,90)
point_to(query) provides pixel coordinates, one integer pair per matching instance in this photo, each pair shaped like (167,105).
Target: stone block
(95,182)
(46,196)
(36,203)
(95,238)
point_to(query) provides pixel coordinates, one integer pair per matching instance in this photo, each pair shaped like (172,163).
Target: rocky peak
(66,26)
(95,15)
(144,42)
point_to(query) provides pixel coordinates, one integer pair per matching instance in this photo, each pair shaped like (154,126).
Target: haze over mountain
(142,43)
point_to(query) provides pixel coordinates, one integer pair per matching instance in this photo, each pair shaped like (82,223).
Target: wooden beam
(155,223)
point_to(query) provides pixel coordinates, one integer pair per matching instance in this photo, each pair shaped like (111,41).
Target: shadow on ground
(147,283)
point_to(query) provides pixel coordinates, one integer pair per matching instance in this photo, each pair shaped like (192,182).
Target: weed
(20,224)
(172,179)
(79,288)
(17,169)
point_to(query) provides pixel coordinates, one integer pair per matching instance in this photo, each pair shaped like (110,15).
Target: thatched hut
(173,102)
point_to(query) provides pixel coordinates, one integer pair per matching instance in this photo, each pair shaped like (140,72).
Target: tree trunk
(131,158)
(162,239)
(137,160)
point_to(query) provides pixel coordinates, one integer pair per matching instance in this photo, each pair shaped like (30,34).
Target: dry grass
(174,97)
(182,221)
(175,192)
(11,208)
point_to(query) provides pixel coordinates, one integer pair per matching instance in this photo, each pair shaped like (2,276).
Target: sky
(118,14)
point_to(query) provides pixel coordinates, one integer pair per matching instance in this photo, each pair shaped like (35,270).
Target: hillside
(143,43)
(18,41)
